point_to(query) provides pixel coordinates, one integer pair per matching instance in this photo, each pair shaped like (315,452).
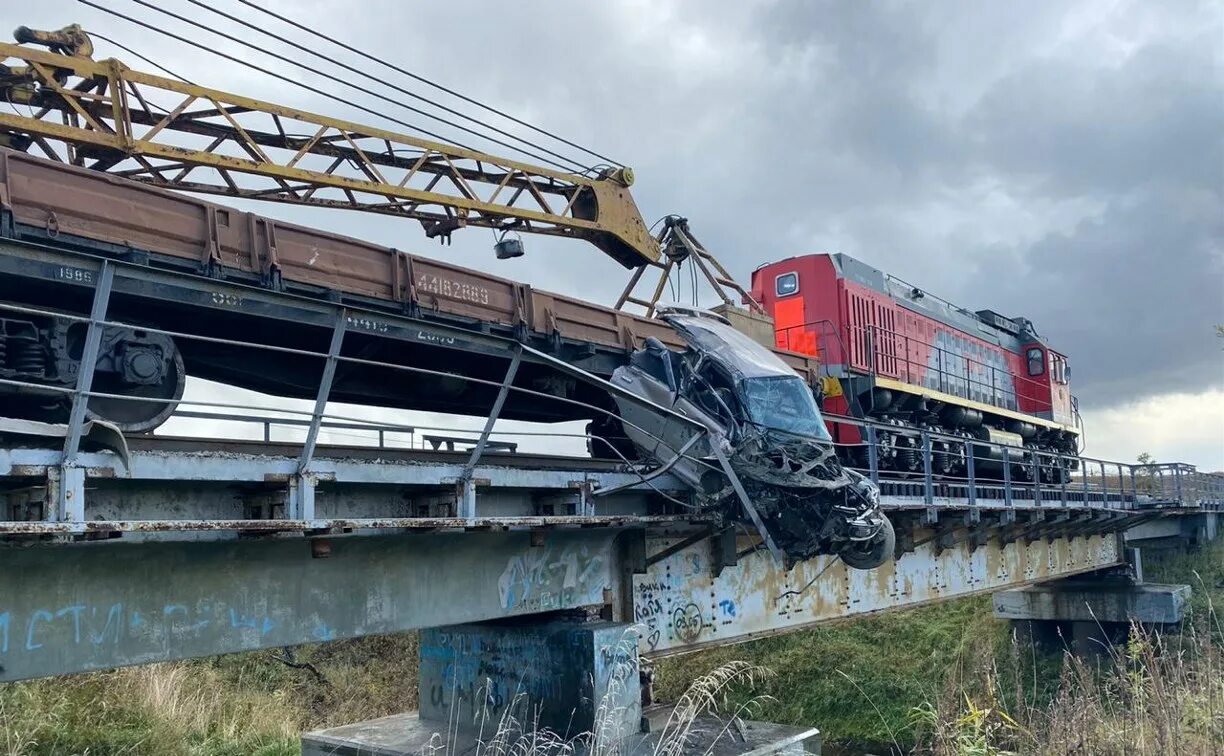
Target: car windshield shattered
(753,447)
(786,404)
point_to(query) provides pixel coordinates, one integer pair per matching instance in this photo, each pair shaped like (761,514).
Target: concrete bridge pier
(1187,531)
(1091,614)
(571,673)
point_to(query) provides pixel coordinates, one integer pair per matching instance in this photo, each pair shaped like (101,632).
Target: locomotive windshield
(784,403)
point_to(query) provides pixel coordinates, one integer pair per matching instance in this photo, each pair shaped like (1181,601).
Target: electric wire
(338,80)
(427,81)
(273,74)
(135,54)
(575,166)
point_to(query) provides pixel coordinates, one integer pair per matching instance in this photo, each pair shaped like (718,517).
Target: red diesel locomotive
(896,354)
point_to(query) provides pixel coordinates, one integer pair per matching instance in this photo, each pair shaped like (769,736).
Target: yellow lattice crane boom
(170,133)
(177,135)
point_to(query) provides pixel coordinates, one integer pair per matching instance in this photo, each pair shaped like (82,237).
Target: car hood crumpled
(784,459)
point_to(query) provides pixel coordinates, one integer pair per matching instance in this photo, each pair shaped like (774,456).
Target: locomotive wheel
(943,459)
(909,456)
(156,402)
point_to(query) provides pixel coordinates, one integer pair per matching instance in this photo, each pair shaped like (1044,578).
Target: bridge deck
(174,485)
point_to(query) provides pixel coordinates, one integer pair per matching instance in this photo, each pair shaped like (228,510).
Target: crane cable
(133,53)
(397,88)
(311,69)
(427,81)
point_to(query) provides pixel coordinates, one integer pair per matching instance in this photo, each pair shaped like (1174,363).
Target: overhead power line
(323,74)
(397,88)
(427,81)
(273,74)
(132,52)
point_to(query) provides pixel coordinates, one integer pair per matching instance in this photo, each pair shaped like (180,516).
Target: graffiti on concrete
(687,622)
(551,578)
(54,629)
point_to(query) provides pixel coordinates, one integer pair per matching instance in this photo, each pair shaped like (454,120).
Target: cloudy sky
(1063,161)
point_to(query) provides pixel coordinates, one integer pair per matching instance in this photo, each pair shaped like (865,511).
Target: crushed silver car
(767,424)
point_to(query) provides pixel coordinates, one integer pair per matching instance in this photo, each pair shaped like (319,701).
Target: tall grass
(947,679)
(1155,695)
(233,705)
(236,706)
(514,732)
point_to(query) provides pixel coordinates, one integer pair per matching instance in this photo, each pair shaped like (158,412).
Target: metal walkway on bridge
(167,548)
(194,547)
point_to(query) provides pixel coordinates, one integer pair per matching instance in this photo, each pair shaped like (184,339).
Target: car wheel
(868,555)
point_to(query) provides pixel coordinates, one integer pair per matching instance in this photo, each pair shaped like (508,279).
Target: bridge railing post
(467,498)
(70,493)
(1036,478)
(928,481)
(1064,474)
(1084,478)
(873,455)
(301,493)
(970,472)
(1007,481)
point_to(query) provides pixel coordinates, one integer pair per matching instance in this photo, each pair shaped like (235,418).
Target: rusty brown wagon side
(67,201)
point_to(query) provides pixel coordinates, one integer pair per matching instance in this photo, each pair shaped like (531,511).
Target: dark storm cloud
(1133,291)
(1061,160)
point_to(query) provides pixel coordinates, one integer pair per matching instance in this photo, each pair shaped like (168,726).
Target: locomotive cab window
(786,284)
(1036,361)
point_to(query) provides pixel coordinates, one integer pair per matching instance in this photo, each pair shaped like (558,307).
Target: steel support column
(466,484)
(301,489)
(70,492)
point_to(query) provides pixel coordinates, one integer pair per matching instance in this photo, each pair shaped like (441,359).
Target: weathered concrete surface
(408,735)
(711,736)
(1095,602)
(570,676)
(71,608)
(683,606)
(1192,529)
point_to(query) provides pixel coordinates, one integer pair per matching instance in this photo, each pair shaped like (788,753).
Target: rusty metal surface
(68,201)
(684,608)
(324,526)
(306,158)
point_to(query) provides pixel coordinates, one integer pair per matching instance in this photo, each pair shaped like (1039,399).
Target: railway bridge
(122,551)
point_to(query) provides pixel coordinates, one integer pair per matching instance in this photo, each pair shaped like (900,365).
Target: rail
(943,470)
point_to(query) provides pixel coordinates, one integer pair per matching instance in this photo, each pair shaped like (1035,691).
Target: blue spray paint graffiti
(48,629)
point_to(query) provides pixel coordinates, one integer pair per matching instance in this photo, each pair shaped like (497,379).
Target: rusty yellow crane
(102,115)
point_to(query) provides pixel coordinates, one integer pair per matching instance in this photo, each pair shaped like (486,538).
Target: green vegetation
(860,681)
(953,673)
(948,678)
(231,705)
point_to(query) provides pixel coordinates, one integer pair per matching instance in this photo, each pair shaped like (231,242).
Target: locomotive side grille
(873,337)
